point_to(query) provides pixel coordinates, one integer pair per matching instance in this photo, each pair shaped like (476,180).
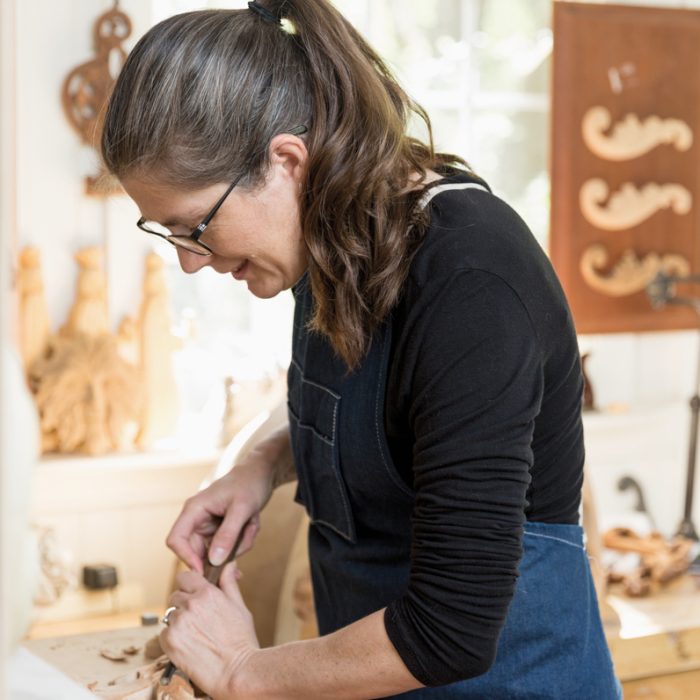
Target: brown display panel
(629,60)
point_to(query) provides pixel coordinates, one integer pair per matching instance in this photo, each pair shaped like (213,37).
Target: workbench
(656,649)
(54,667)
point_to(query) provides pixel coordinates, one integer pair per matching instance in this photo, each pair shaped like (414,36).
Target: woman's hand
(212,519)
(210,635)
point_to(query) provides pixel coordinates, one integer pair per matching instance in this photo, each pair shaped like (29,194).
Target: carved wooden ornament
(161,408)
(88,86)
(88,397)
(630,206)
(88,315)
(33,313)
(630,274)
(624,160)
(630,137)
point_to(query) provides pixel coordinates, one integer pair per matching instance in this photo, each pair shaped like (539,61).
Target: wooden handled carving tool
(211,574)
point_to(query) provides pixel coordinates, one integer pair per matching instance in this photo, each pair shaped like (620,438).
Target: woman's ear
(288,152)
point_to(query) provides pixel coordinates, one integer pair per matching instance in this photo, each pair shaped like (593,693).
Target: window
(483,76)
(481,73)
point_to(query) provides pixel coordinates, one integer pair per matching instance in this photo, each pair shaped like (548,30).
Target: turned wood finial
(33,312)
(88,86)
(89,314)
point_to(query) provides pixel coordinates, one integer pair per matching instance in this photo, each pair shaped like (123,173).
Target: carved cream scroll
(630,206)
(630,274)
(630,137)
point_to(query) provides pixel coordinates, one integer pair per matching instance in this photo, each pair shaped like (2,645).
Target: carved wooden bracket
(630,206)
(631,138)
(88,86)
(630,274)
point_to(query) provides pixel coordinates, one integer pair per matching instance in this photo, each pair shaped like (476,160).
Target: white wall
(53,212)
(7,177)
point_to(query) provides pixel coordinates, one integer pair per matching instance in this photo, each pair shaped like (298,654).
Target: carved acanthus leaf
(630,206)
(630,137)
(631,274)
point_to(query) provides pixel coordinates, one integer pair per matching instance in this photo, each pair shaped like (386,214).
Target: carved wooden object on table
(88,86)
(625,184)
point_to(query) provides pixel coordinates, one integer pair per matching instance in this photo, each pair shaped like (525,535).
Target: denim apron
(552,644)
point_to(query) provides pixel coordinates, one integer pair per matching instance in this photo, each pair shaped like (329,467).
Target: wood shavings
(113,655)
(137,684)
(131,650)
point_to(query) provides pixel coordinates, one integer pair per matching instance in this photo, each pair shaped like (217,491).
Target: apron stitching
(335,416)
(557,539)
(307,426)
(344,535)
(316,384)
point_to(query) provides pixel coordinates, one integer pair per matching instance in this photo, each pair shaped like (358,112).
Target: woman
(434,390)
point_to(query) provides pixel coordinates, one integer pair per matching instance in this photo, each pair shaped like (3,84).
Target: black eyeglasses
(191,242)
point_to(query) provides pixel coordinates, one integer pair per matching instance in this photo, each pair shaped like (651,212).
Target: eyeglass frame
(200,248)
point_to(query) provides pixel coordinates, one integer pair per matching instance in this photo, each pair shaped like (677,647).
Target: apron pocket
(313,411)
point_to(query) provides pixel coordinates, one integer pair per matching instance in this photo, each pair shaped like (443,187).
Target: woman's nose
(191,262)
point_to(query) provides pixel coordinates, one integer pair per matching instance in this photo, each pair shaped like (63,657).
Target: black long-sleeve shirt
(483,415)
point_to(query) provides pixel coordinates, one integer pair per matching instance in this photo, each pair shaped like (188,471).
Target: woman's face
(255,235)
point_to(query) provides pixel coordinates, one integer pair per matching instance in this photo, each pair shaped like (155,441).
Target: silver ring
(168,613)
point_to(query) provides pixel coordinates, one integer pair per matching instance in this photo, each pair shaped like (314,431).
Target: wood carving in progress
(630,274)
(161,402)
(87,395)
(88,86)
(144,684)
(630,137)
(33,313)
(89,315)
(629,206)
(115,664)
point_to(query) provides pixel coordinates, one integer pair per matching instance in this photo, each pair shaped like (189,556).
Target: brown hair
(202,95)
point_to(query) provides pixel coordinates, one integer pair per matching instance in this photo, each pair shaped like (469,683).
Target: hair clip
(263,12)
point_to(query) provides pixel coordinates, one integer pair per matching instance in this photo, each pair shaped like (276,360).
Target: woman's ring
(168,613)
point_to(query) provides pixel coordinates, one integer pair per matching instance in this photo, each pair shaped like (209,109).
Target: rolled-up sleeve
(476,389)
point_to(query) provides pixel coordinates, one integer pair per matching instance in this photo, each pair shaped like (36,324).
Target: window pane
(511,154)
(513,49)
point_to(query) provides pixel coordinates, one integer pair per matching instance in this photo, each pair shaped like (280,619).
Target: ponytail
(261,73)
